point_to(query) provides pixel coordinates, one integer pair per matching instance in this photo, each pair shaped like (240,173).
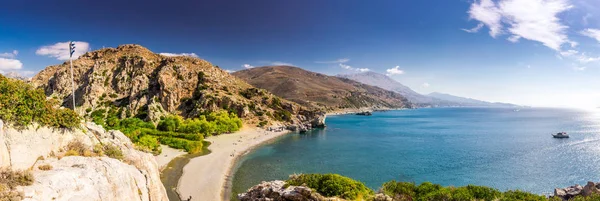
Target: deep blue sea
(501,148)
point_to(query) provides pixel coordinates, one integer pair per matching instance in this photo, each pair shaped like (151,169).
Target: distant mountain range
(431,100)
(321,91)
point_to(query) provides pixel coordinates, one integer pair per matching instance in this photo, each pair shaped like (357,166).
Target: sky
(528,52)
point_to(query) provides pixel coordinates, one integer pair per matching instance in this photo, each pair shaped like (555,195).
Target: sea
(504,148)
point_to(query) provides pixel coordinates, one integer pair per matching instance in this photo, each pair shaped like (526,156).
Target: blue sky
(531,52)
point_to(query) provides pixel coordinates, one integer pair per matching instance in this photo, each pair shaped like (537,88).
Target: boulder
(589,189)
(277,191)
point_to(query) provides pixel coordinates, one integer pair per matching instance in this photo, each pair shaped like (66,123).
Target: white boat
(561,135)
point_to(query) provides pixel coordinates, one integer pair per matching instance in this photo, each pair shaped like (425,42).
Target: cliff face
(148,85)
(316,90)
(59,176)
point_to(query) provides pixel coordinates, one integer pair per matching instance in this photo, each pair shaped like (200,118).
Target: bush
(112,151)
(76,148)
(399,190)
(521,196)
(12,179)
(191,147)
(332,185)
(22,105)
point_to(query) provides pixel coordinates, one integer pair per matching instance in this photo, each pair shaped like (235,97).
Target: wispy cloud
(343,60)
(9,55)
(592,33)
(474,29)
(247,66)
(279,63)
(535,20)
(394,71)
(179,54)
(60,50)
(426,85)
(348,67)
(229,71)
(362,70)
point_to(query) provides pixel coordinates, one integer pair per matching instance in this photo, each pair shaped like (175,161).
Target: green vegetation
(172,131)
(22,105)
(332,185)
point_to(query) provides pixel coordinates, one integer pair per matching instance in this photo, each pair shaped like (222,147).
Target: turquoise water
(502,148)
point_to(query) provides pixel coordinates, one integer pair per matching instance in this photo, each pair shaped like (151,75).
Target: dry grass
(9,180)
(45,167)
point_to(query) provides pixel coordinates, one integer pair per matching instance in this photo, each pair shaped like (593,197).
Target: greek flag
(71,48)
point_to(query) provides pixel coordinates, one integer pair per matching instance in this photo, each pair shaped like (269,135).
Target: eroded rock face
(277,191)
(135,177)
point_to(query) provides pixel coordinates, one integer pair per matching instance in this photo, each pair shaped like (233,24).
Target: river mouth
(171,174)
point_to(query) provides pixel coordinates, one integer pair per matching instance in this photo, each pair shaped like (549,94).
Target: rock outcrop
(278,191)
(56,177)
(146,85)
(577,190)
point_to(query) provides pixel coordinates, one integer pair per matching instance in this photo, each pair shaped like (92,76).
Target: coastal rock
(135,177)
(277,191)
(382,197)
(589,189)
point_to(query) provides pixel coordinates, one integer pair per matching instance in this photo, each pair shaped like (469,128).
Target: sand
(167,155)
(204,178)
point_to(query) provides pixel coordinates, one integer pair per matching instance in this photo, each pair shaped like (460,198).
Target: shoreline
(208,177)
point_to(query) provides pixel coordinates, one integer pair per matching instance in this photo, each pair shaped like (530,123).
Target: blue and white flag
(71,48)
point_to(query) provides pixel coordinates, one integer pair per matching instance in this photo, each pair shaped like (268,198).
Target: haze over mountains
(322,91)
(431,100)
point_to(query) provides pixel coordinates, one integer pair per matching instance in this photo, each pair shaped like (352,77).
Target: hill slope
(138,82)
(462,101)
(385,82)
(320,91)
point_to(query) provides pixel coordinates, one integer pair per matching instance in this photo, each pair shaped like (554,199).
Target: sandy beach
(167,155)
(205,177)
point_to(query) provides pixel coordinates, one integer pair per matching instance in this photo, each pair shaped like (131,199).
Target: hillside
(430,100)
(385,82)
(462,101)
(135,82)
(320,91)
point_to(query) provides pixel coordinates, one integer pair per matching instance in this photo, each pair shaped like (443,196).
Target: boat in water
(561,135)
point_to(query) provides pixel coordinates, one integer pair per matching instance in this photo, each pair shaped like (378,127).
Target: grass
(45,167)
(9,180)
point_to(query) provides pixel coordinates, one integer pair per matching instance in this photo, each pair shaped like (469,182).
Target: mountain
(136,82)
(385,82)
(462,101)
(321,91)
(431,100)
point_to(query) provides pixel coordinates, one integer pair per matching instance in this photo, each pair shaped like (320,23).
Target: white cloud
(279,63)
(247,66)
(229,71)
(179,54)
(394,71)
(10,64)
(60,50)
(487,13)
(426,85)
(474,29)
(9,55)
(343,60)
(592,33)
(362,70)
(347,67)
(569,53)
(534,20)
(514,39)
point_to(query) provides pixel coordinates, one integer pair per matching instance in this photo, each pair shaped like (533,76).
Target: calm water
(501,148)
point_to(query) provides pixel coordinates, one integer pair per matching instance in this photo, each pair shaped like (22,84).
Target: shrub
(399,189)
(76,148)
(521,196)
(45,167)
(332,185)
(112,151)
(22,105)
(9,180)
(191,147)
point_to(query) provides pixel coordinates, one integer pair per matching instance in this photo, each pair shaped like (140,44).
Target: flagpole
(72,79)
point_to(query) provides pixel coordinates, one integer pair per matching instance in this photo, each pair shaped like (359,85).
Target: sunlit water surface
(501,148)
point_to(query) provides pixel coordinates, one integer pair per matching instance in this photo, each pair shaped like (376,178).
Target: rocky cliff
(147,85)
(60,173)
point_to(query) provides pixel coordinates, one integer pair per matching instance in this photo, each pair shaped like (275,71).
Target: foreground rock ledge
(134,178)
(279,191)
